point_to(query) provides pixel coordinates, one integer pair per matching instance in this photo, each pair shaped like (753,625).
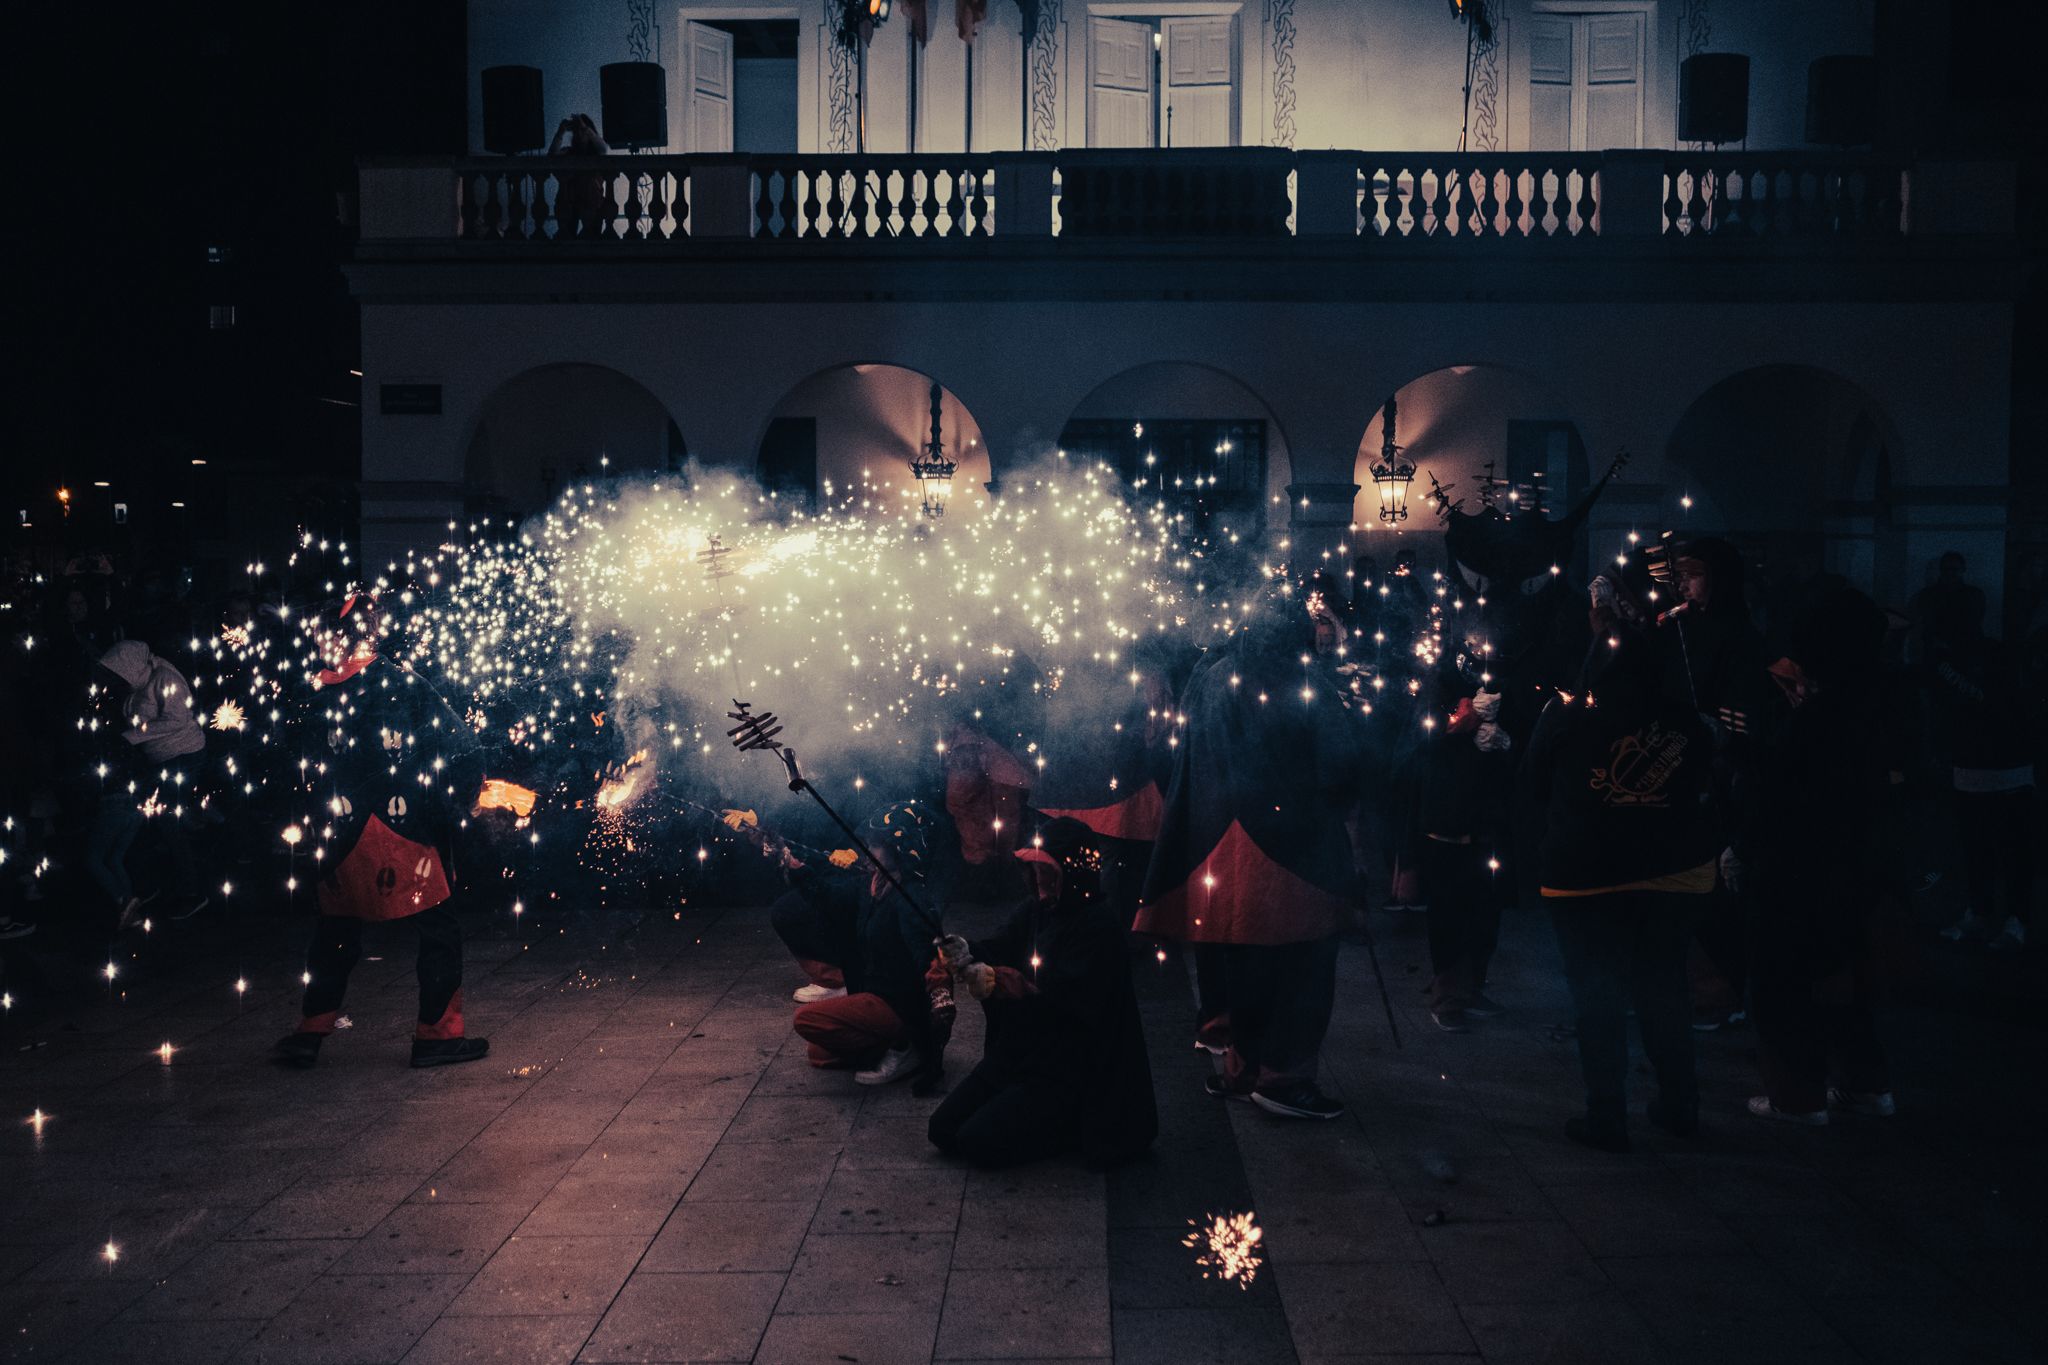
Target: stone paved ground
(645,1170)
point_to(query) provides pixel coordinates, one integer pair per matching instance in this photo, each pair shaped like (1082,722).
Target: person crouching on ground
(1064,1069)
(1620,770)
(881,1026)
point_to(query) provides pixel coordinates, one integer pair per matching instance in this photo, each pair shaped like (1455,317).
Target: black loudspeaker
(634,96)
(513,117)
(1713,97)
(1841,101)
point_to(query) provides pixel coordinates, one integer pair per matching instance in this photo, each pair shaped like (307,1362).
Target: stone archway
(553,425)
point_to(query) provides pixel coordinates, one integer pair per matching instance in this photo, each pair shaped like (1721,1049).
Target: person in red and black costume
(1253,855)
(398,776)
(1064,1070)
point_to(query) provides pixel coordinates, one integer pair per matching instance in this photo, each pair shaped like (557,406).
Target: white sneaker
(896,1063)
(1876,1104)
(1761,1106)
(2013,935)
(811,994)
(1971,926)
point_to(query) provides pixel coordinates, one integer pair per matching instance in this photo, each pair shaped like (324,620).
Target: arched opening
(868,421)
(552,426)
(1193,436)
(1484,434)
(1793,464)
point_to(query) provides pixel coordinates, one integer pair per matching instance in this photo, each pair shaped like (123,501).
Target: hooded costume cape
(1072,1018)
(1106,758)
(1253,847)
(398,775)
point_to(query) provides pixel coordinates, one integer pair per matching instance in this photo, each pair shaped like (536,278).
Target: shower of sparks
(1227,1247)
(588,655)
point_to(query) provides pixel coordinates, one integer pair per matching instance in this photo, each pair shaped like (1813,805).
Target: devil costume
(1253,852)
(881,944)
(1107,766)
(1064,1070)
(398,777)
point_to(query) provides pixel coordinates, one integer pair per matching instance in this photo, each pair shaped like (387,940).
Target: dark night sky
(184,128)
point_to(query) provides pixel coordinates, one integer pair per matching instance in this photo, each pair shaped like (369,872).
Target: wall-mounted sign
(409,400)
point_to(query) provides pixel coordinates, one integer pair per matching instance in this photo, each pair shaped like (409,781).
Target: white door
(1586,81)
(707,88)
(1119,83)
(1201,83)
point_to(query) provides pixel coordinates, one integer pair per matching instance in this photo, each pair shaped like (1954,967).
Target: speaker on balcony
(1841,101)
(634,96)
(1713,97)
(513,117)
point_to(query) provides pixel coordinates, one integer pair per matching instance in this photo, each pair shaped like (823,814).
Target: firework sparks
(1227,1247)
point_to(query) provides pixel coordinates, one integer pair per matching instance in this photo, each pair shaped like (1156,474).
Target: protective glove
(980,979)
(953,950)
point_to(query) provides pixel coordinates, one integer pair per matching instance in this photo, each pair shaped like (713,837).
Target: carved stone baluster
(1516,219)
(984,214)
(955,208)
(1589,197)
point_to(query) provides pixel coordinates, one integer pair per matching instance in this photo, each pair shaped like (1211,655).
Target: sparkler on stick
(757,732)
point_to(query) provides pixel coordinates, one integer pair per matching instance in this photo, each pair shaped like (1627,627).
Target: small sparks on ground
(1228,1247)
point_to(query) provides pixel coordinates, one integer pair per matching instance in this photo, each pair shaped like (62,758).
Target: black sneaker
(1585,1134)
(300,1050)
(1224,1090)
(1452,1021)
(448,1051)
(1679,1121)
(1483,1006)
(1301,1100)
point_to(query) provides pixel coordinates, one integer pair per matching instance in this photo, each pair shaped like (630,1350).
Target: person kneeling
(880,1024)
(1064,1070)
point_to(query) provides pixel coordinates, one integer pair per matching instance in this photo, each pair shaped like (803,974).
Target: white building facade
(1143,214)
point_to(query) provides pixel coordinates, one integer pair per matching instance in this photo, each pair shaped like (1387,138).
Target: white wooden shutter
(1119,83)
(1614,81)
(707,88)
(1551,41)
(1201,84)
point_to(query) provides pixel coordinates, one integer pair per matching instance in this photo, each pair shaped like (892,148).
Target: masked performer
(1064,1069)
(1253,853)
(881,1023)
(398,776)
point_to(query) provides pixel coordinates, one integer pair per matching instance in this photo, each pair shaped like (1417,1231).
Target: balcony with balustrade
(1681,205)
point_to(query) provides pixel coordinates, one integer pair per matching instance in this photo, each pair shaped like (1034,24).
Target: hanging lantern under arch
(933,471)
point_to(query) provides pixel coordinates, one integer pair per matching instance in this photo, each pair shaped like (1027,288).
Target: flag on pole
(969,16)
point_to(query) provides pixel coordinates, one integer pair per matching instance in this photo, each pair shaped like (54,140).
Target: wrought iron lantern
(1392,473)
(933,471)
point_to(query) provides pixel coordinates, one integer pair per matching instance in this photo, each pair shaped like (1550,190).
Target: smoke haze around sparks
(646,607)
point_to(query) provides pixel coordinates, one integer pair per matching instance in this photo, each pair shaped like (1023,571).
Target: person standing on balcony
(1254,861)
(1620,770)
(582,198)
